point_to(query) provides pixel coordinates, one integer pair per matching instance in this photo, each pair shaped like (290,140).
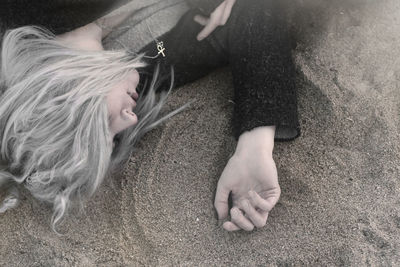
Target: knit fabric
(263,73)
(254,42)
(61,16)
(206,6)
(58,16)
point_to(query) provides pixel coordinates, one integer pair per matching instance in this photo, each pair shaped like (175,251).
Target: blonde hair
(54,127)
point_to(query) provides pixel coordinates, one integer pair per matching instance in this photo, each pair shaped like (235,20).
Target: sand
(340,202)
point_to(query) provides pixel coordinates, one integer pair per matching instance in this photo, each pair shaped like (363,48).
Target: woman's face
(121,100)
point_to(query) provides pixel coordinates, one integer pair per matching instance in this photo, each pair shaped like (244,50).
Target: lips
(135,80)
(132,103)
(135,96)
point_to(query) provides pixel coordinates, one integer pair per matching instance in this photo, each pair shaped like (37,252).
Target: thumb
(221,201)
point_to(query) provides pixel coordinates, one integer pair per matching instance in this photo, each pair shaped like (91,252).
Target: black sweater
(61,16)
(257,103)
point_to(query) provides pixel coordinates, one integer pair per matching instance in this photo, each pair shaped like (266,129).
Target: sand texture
(340,202)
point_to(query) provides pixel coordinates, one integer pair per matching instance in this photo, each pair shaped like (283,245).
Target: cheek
(114,105)
(113,113)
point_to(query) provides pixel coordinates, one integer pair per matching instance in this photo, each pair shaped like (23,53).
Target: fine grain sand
(340,202)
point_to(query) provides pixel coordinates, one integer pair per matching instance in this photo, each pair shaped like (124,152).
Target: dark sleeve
(59,16)
(263,70)
(206,6)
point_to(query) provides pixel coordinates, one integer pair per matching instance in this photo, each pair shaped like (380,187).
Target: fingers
(201,20)
(213,22)
(261,203)
(227,11)
(239,220)
(256,211)
(263,214)
(221,201)
(219,17)
(256,218)
(209,28)
(230,226)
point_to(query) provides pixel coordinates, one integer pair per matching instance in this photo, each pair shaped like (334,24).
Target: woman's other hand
(251,177)
(217,18)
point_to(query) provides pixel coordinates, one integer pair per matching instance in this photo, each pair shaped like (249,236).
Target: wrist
(260,139)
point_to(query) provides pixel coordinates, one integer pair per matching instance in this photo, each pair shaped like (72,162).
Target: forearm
(263,70)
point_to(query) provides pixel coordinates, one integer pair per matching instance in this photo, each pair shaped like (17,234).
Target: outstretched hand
(217,18)
(251,177)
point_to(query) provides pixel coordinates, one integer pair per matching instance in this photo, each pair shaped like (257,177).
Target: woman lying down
(71,112)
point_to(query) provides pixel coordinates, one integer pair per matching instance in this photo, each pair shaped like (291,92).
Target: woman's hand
(217,18)
(252,178)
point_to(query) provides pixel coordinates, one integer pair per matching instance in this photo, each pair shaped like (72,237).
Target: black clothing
(255,43)
(61,16)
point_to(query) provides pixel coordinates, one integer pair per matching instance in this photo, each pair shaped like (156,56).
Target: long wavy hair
(54,123)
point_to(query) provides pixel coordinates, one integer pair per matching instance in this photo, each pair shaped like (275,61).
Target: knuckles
(245,204)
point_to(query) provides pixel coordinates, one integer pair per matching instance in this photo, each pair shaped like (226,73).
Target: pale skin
(250,175)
